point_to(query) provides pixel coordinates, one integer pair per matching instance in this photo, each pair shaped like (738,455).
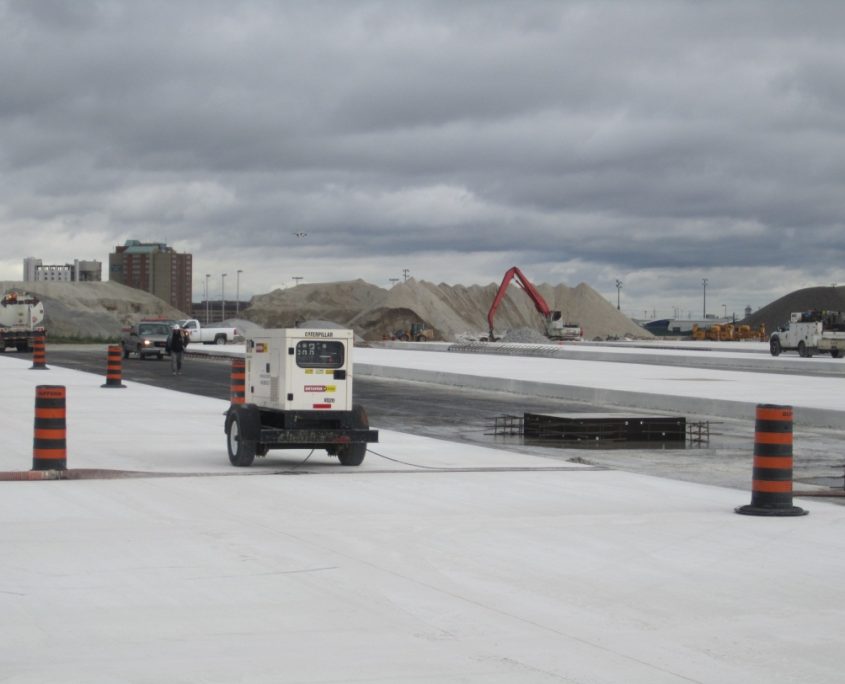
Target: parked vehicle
(21,316)
(206,335)
(146,338)
(418,332)
(811,332)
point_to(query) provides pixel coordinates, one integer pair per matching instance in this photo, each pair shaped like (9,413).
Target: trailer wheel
(241,451)
(353,454)
(774,346)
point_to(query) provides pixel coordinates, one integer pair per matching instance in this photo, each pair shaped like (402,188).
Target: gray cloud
(659,142)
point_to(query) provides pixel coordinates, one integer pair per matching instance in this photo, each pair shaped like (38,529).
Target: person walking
(176,344)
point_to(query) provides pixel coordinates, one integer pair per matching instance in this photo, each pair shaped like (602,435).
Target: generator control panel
(296,369)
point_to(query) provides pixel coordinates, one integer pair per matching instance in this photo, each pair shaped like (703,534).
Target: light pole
(393,281)
(207,276)
(724,310)
(238,292)
(296,279)
(704,305)
(618,290)
(223,296)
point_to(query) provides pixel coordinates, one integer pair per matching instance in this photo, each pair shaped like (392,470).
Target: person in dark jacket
(176,344)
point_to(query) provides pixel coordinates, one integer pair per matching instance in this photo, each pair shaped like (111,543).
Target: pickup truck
(146,338)
(197,333)
(811,332)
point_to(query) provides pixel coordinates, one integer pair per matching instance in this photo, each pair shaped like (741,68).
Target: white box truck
(298,395)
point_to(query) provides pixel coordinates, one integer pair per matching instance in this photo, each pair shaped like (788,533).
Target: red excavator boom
(526,285)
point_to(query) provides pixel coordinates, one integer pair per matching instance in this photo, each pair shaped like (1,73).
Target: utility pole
(704,306)
(406,272)
(223,296)
(207,314)
(618,290)
(238,292)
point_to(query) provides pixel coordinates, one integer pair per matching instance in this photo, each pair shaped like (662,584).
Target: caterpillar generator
(298,395)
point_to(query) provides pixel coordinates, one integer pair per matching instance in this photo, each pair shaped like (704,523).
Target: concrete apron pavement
(648,401)
(673,404)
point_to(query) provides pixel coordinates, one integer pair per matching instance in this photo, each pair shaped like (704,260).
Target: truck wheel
(802,349)
(241,451)
(353,454)
(834,353)
(125,352)
(774,346)
(220,339)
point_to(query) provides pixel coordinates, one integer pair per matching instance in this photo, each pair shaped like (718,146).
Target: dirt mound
(451,311)
(777,313)
(337,302)
(93,310)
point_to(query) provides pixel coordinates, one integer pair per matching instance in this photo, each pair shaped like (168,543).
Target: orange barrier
(238,381)
(114,369)
(771,488)
(39,354)
(49,444)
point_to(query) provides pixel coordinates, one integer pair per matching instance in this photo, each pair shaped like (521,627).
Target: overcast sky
(659,143)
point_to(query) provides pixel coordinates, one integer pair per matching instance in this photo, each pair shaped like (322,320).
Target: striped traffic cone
(114,369)
(238,381)
(771,488)
(39,353)
(49,444)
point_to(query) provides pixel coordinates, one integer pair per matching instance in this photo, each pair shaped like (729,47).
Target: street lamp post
(618,290)
(223,296)
(704,303)
(207,314)
(724,310)
(238,292)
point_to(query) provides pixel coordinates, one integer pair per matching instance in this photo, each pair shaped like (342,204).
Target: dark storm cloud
(584,139)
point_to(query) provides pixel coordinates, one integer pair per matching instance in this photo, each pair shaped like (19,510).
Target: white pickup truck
(197,333)
(811,332)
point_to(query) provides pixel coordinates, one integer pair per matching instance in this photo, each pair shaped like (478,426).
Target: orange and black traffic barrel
(238,381)
(39,354)
(49,444)
(114,369)
(771,488)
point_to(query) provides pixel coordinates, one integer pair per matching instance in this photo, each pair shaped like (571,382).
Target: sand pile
(451,311)
(92,310)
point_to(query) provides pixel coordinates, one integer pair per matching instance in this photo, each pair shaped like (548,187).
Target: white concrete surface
(390,572)
(818,400)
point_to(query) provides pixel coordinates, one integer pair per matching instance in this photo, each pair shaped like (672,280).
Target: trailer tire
(774,346)
(353,454)
(241,450)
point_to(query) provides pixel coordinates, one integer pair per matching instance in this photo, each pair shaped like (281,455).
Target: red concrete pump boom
(526,285)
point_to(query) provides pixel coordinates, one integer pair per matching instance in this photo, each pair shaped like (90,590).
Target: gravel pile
(451,311)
